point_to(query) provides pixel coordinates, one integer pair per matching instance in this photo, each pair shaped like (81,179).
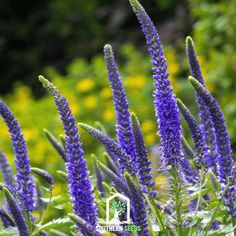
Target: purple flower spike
(16,213)
(225,160)
(138,205)
(125,134)
(25,183)
(202,150)
(113,149)
(144,165)
(79,184)
(164,100)
(204,113)
(6,170)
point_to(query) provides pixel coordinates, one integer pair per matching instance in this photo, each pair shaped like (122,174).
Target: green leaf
(11,231)
(54,223)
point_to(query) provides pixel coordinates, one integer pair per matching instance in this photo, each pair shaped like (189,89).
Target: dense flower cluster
(164,100)
(78,178)
(25,183)
(124,130)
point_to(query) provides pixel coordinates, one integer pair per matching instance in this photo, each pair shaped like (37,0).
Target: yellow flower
(56,189)
(85,85)
(150,138)
(147,126)
(106,92)
(108,234)
(90,102)
(108,115)
(136,82)
(161,182)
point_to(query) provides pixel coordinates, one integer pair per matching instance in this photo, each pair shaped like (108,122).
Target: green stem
(197,206)
(216,209)
(234,224)
(176,188)
(156,212)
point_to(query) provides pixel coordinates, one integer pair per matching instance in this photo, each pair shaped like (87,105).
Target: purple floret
(25,182)
(208,129)
(6,170)
(124,131)
(164,100)
(78,177)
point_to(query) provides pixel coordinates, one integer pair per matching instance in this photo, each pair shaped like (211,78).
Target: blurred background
(64,39)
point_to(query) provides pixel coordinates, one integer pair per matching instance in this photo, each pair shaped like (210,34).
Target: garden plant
(199,197)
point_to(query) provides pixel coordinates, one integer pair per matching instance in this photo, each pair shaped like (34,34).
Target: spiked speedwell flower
(123,127)
(204,113)
(202,150)
(25,183)
(79,184)
(6,170)
(16,213)
(225,160)
(144,165)
(164,100)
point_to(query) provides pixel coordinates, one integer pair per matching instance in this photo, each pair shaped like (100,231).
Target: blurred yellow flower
(4,131)
(85,85)
(108,115)
(90,102)
(108,234)
(147,126)
(173,69)
(150,138)
(56,189)
(161,182)
(135,82)
(106,92)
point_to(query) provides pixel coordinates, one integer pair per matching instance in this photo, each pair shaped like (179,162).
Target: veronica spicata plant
(201,194)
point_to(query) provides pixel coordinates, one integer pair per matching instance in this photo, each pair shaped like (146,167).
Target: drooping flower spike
(6,169)
(204,113)
(225,160)
(16,213)
(25,182)
(79,184)
(124,131)
(164,100)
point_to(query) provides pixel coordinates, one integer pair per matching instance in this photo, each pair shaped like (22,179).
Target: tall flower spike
(79,184)
(164,100)
(204,113)
(119,182)
(138,205)
(25,182)
(124,131)
(202,150)
(99,175)
(6,220)
(144,165)
(16,213)
(113,149)
(225,160)
(6,170)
